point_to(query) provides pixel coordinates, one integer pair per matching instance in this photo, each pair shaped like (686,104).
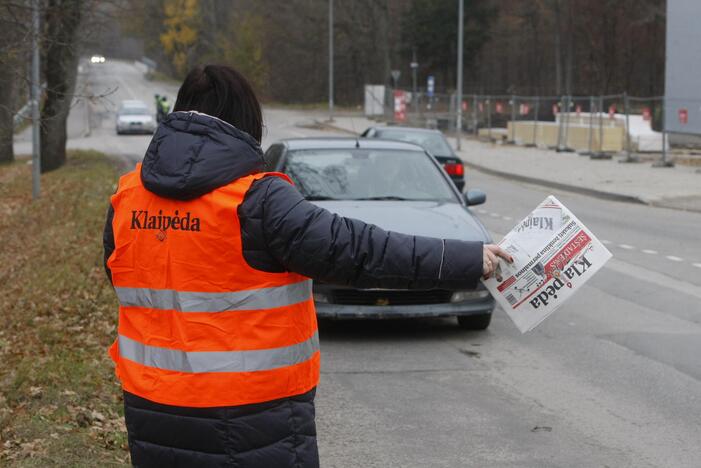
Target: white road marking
(674,259)
(606,242)
(506,218)
(651,252)
(482,211)
(697,265)
(660,279)
(494,215)
(626,246)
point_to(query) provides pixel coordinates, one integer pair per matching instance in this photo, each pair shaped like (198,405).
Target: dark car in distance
(399,187)
(432,141)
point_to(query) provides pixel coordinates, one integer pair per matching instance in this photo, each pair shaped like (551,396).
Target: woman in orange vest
(212,261)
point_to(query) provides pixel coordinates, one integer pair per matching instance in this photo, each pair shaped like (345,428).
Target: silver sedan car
(399,187)
(135,117)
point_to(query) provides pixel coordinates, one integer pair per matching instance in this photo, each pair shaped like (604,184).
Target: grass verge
(60,404)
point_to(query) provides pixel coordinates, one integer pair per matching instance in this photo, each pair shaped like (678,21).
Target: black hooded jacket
(192,154)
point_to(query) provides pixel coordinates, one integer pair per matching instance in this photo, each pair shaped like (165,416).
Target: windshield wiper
(385,197)
(320,198)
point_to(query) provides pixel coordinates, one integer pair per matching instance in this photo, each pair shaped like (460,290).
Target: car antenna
(357,142)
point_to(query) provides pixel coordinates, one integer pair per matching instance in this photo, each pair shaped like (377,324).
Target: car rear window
(434,143)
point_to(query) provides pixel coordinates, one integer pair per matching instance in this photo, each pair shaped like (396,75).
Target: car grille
(385,298)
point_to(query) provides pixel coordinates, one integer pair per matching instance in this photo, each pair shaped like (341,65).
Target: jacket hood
(192,154)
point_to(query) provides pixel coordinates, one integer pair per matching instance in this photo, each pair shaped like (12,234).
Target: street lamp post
(458,122)
(414,93)
(330,60)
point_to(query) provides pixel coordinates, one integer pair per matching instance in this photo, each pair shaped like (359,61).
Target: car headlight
(464,296)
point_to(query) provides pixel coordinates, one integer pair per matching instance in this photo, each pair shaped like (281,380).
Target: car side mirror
(475,197)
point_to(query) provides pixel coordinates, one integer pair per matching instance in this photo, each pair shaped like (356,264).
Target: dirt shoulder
(59,401)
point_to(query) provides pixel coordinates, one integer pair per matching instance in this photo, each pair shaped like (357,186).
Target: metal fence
(595,126)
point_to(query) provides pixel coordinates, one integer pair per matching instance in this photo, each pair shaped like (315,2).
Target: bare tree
(62,19)
(12,49)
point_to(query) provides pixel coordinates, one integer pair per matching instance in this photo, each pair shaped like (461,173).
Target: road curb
(664,203)
(560,186)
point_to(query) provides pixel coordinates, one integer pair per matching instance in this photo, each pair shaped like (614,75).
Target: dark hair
(222,92)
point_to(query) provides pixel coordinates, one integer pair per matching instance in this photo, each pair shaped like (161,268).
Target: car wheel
(475,322)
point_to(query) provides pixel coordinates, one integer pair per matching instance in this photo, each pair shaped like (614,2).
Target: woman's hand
(490,259)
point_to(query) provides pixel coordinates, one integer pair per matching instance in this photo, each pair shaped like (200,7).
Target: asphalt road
(612,379)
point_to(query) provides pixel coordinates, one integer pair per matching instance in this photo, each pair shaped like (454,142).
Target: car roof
(408,129)
(133,103)
(348,143)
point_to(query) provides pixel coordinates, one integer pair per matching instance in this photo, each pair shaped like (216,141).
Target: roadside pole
(414,94)
(664,162)
(474,115)
(601,124)
(558,146)
(566,134)
(458,122)
(330,60)
(512,136)
(590,150)
(536,111)
(599,154)
(626,105)
(36,156)
(489,119)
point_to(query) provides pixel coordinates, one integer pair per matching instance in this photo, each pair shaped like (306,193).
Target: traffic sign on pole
(395,76)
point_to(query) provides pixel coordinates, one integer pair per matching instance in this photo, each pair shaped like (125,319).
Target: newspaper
(554,255)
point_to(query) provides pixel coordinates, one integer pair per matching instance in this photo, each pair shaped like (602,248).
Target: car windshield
(431,142)
(363,174)
(134,111)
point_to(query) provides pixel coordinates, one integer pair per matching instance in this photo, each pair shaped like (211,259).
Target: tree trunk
(7,107)
(61,66)
(9,70)
(558,51)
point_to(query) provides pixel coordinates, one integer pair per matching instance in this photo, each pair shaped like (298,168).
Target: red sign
(399,106)
(578,109)
(683,116)
(481,106)
(499,107)
(465,106)
(647,113)
(612,110)
(556,108)
(567,254)
(524,109)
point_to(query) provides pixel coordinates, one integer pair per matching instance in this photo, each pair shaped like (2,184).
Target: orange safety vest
(198,326)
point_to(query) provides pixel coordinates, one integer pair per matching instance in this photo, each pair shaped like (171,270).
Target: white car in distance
(135,117)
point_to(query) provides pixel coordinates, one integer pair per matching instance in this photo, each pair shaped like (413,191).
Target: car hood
(421,218)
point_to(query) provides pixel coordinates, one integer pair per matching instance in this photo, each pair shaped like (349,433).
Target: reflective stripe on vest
(198,326)
(218,361)
(253,299)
